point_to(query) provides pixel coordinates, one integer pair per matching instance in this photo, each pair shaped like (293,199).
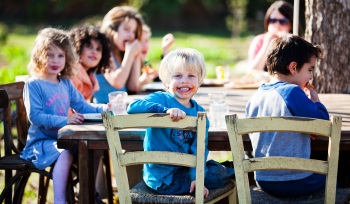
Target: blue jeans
(217,176)
(308,185)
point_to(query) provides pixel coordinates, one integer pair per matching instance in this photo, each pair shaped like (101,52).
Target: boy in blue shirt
(181,71)
(291,62)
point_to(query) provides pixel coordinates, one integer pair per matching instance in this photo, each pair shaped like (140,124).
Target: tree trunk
(328,25)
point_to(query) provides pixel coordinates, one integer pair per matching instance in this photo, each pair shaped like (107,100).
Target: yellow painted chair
(141,193)
(238,127)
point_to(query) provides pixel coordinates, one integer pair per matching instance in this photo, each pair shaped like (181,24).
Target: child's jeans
(301,187)
(217,176)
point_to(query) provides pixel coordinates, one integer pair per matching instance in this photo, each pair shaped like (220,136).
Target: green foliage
(3,33)
(14,57)
(217,50)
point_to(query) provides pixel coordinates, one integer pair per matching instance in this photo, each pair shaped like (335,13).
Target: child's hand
(311,93)
(176,114)
(167,41)
(76,118)
(148,75)
(133,48)
(193,186)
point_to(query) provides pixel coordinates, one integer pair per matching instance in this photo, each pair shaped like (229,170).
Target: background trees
(328,24)
(325,22)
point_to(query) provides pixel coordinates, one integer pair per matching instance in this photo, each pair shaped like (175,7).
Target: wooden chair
(238,127)
(13,146)
(141,193)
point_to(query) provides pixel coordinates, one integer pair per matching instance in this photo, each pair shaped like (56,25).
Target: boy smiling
(181,71)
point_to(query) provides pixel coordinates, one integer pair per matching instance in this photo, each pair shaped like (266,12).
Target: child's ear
(292,67)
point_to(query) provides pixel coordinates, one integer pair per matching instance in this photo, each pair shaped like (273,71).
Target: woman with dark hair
(278,21)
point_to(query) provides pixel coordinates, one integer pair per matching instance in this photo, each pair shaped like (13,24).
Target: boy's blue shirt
(161,139)
(282,99)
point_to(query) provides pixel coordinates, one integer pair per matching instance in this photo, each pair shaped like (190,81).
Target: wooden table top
(337,104)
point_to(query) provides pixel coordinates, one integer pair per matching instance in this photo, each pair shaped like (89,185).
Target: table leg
(86,174)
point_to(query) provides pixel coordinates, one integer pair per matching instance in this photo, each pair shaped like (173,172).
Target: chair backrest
(120,160)
(15,114)
(238,127)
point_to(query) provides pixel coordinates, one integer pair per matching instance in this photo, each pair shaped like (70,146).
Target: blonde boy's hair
(179,60)
(46,38)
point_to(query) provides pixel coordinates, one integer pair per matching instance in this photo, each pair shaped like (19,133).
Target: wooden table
(91,136)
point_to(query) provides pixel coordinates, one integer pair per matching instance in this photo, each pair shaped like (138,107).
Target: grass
(217,50)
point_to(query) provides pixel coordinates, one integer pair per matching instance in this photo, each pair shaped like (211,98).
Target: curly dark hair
(82,35)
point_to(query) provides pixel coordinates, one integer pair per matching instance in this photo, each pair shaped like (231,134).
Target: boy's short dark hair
(287,49)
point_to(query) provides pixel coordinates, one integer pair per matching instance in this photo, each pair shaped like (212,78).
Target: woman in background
(122,26)
(278,21)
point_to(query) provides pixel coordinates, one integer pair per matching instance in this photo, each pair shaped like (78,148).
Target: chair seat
(259,196)
(141,193)
(14,162)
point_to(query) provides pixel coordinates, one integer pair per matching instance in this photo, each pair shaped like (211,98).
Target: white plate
(92,117)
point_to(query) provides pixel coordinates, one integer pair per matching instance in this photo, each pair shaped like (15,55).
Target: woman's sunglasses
(281,21)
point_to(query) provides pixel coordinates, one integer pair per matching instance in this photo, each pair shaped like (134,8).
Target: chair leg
(19,189)
(233,198)
(44,183)
(8,197)
(70,189)
(108,177)
(8,186)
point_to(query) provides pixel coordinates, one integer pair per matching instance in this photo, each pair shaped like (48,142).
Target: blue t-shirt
(47,107)
(161,139)
(282,99)
(101,96)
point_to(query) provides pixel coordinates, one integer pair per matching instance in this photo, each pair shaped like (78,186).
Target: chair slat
(178,159)
(285,163)
(283,124)
(238,127)
(155,120)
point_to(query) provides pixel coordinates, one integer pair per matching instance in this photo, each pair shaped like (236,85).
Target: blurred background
(221,29)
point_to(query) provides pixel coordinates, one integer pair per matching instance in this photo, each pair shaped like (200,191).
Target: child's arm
(300,105)
(152,103)
(78,103)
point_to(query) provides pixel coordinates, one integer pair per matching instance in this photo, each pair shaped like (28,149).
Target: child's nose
(131,35)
